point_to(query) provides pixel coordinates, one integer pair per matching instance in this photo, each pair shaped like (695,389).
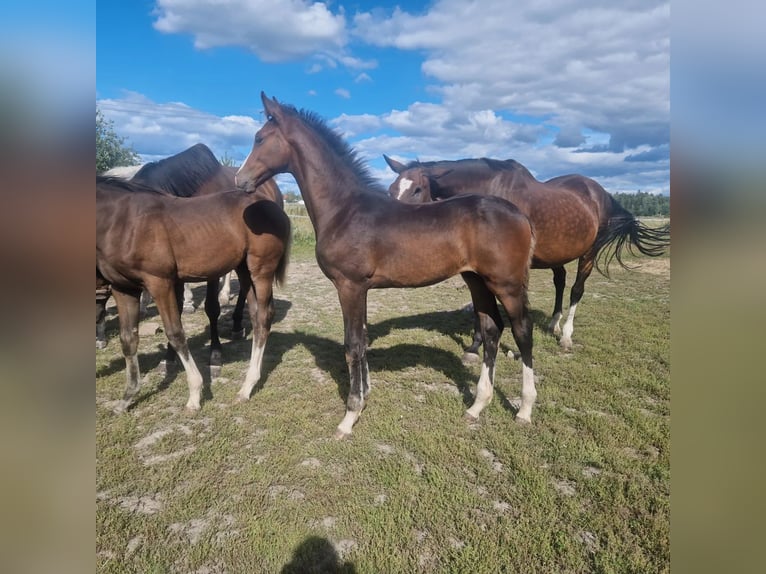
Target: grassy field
(263,487)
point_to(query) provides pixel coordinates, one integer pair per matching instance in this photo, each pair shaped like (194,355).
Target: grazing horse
(191,173)
(146,239)
(572,215)
(367,240)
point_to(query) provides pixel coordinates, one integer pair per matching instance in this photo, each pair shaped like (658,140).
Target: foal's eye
(417,191)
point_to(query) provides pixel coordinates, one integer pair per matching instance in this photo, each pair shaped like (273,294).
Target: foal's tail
(624,230)
(281,271)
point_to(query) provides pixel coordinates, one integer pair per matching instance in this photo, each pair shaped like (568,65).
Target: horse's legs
(584,268)
(353,302)
(145,300)
(260,303)
(225,293)
(170,354)
(559,282)
(165,297)
(471,354)
(127,311)
(516,306)
(102,296)
(213,312)
(237,330)
(189,299)
(491,326)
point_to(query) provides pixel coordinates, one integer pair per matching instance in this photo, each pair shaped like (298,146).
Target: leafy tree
(110,148)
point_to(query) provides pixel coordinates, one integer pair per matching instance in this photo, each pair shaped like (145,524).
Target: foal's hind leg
(225,293)
(243,276)
(260,303)
(584,268)
(559,282)
(213,312)
(353,302)
(471,354)
(491,326)
(516,306)
(128,311)
(167,304)
(170,354)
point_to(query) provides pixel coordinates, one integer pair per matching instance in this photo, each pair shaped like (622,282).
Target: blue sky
(563,86)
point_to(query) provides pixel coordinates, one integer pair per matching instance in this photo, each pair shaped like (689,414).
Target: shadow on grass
(317,555)
(236,350)
(329,354)
(458,325)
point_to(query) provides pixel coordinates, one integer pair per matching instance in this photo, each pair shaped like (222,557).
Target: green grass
(263,487)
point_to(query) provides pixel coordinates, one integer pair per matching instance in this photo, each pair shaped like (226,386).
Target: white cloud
(343,93)
(585,64)
(561,85)
(157,130)
(274,30)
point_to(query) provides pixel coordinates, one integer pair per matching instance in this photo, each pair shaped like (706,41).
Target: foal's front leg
(353,302)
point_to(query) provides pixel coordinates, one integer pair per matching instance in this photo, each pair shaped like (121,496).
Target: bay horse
(367,240)
(148,239)
(573,217)
(191,173)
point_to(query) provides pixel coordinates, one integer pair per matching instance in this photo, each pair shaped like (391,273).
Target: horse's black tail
(624,230)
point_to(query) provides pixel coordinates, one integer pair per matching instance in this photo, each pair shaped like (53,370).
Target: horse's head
(416,183)
(271,151)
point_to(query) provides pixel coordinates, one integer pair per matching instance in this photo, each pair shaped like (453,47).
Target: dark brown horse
(195,172)
(366,240)
(572,215)
(146,239)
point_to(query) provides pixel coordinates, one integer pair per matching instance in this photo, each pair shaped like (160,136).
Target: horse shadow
(329,356)
(458,325)
(317,555)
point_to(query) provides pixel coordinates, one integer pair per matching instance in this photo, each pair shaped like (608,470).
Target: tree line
(644,204)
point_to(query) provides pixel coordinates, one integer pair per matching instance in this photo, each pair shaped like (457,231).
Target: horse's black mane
(181,174)
(127,185)
(339,146)
(481,163)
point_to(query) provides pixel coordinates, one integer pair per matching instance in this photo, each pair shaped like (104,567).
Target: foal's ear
(398,167)
(270,106)
(436,174)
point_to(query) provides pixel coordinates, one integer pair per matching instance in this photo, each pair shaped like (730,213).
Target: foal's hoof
(470,358)
(469,418)
(235,335)
(514,355)
(189,309)
(523,421)
(100,344)
(239,399)
(215,371)
(340,435)
(566,345)
(121,407)
(192,409)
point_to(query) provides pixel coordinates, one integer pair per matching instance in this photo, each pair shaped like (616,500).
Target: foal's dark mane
(181,174)
(334,140)
(128,185)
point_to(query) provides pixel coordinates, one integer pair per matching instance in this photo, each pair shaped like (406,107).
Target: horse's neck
(326,183)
